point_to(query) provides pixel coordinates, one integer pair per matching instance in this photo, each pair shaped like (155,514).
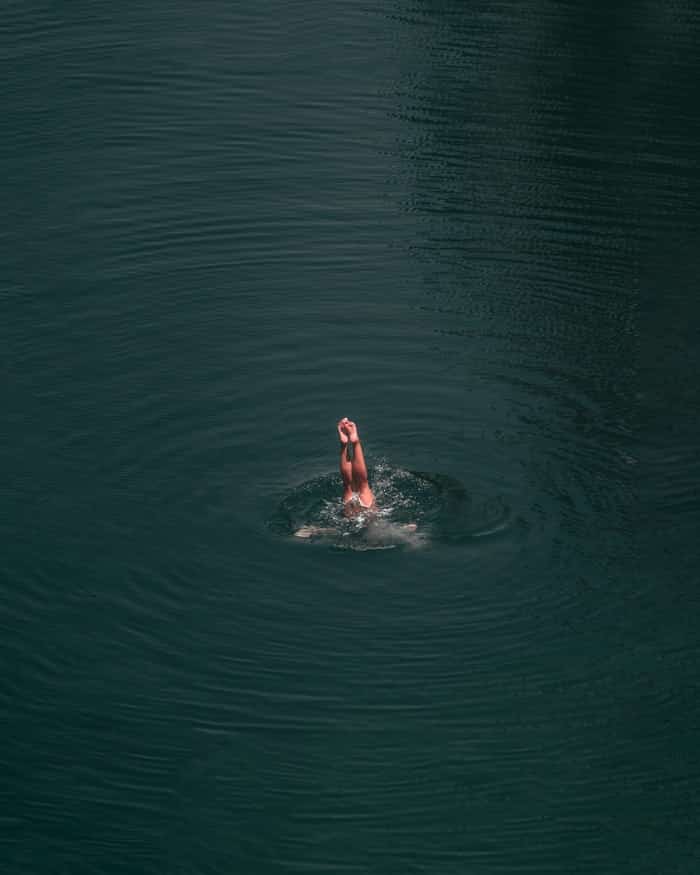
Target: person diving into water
(358,499)
(357,495)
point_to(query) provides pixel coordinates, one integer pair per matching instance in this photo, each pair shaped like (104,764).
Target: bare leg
(345,473)
(345,465)
(355,480)
(360,483)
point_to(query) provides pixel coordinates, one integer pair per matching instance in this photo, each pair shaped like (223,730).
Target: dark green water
(475,229)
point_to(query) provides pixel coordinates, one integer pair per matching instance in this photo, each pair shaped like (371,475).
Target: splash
(414,509)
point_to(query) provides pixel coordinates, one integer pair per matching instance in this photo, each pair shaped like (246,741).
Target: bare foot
(342,431)
(351,429)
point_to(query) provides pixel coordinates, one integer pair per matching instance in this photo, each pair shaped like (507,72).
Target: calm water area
(475,229)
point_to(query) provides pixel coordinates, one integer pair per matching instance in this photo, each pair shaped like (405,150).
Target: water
(474,231)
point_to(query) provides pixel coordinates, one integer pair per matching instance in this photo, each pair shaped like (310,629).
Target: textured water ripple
(225,228)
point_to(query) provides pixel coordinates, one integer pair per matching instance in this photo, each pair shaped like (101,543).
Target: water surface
(474,230)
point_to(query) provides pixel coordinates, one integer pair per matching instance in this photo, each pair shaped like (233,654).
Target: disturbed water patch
(414,509)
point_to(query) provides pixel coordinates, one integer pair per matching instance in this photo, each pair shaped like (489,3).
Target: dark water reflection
(475,231)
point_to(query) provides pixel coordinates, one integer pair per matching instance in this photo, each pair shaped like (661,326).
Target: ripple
(224,231)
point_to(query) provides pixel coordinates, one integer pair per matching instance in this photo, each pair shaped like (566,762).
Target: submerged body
(357,494)
(358,499)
